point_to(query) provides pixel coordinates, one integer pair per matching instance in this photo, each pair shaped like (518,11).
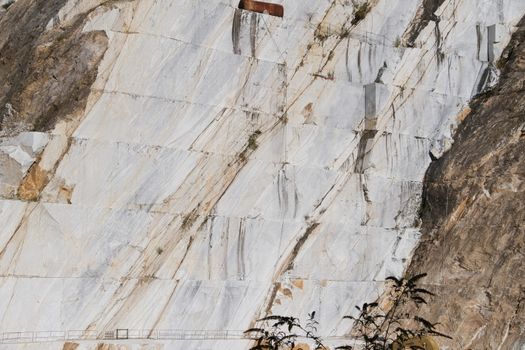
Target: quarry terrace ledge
(262,7)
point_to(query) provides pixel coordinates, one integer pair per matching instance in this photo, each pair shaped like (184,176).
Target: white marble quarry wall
(227,165)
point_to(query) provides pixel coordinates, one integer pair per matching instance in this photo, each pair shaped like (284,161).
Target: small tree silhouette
(283,333)
(381,330)
(375,328)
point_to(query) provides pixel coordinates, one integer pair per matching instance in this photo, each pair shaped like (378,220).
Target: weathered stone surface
(225,164)
(46,74)
(473,219)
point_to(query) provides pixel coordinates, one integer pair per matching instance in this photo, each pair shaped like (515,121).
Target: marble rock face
(231,164)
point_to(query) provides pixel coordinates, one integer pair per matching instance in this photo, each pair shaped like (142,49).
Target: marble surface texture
(231,164)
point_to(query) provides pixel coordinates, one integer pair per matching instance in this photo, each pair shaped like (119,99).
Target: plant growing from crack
(251,145)
(252,140)
(399,327)
(282,332)
(360,12)
(397,42)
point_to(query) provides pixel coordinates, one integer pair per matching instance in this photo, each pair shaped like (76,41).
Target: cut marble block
(376,97)
(202,73)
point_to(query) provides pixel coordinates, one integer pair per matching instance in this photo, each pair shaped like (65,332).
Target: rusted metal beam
(262,7)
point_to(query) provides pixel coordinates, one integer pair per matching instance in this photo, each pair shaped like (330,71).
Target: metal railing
(120,334)
(129,334)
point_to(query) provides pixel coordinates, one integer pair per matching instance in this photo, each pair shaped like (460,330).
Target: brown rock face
(70,346)
(474,219)
(46,75)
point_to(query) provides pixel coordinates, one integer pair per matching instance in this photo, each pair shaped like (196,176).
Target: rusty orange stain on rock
(70,346)
(298,283)
(262,7)
(463,114)
(65,193)
(33,183)
(308,108)
(287,293)
(308,113)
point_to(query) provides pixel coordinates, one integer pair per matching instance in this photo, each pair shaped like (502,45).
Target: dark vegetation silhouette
(374,328)
(8,4)
(282,332)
